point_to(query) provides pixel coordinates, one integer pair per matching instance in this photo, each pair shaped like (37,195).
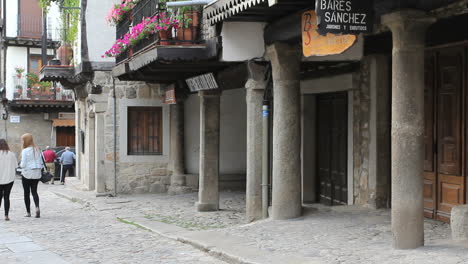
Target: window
(145,131)
(35,63)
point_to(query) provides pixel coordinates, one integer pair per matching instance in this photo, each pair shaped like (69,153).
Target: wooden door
(449,132)
(430,179)
(332,141)
(444,154)
(65,137)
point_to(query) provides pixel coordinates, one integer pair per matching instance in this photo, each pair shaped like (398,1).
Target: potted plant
(29,92)
(32,79)
(119,12)
(188,29)
(19,88)
(164,27)
(19,72)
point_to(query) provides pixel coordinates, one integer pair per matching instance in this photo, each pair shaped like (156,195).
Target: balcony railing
(187,34)
(25,90)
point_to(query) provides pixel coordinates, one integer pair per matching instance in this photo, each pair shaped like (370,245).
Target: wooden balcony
(182,53)
(42,95)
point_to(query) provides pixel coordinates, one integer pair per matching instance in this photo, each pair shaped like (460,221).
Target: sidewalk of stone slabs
(15,248)
(345,234)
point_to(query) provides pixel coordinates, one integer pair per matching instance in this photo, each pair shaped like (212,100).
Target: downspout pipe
(115,137)
(266,112)
(188,3)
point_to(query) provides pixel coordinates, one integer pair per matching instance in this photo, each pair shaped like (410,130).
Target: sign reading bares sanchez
(344,16)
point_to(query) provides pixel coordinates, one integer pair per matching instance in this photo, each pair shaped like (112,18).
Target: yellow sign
(314,44)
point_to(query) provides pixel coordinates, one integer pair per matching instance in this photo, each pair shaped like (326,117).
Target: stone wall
(361,118)
(139,175)
(134,174)
(31,122)
(371,154)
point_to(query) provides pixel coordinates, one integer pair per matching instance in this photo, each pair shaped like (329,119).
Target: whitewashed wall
(242,41)
(11,18)
(100,35)
(233,133)
(16,57)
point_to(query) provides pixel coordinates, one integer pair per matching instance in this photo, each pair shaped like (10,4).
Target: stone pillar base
(203,207)
(459,222)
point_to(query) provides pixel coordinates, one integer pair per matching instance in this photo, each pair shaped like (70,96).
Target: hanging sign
(169,96)
(202,82)
(314,44)
(344,16)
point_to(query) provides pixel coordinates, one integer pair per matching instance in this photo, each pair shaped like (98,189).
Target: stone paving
(349,234)
(73,232)
(346,234)
(343,234)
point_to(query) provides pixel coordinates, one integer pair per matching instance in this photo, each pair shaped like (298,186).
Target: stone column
(208,193)
(255,89)
(100,155)
(408,28)
(286,198)
(89,178)
(178,178)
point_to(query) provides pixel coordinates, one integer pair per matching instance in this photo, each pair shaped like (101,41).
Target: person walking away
(49,157)
(8,164)
(31,165)
(67,160)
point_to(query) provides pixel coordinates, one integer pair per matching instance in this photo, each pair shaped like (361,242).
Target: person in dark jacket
(66,160)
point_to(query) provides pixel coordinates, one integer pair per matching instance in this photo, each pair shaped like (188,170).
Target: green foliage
(70,21)
(45,4)
(32,79)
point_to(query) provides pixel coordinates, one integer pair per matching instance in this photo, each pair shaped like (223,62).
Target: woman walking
(8,163)
(31,165)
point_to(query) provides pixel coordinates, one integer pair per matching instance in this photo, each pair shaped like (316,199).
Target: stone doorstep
(220,245)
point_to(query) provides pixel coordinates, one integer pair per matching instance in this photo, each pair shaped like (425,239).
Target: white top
(31,163)
(8,163)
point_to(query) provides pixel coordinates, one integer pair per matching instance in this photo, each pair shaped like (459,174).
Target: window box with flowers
(121,11)
(161,24)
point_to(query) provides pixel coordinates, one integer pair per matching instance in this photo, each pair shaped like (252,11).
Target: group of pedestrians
(33,161)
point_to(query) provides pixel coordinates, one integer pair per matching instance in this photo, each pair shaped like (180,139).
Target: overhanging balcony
(166,55)
(29,93)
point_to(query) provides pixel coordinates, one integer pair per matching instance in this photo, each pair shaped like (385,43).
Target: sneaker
(62,183)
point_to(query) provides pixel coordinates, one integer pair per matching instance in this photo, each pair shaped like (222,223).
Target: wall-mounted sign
(15,119)
(170,96)
(344,16)
(314,44)
(202,82)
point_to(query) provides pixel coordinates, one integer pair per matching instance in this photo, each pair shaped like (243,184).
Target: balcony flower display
(120,11)
(159,24)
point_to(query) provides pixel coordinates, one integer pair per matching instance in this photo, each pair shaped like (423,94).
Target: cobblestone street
(79,233)
(78,227)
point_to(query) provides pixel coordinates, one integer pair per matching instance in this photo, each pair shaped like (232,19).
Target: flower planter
(65,54)
(193,16)
(19,75)
(165,36)
(185,34)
